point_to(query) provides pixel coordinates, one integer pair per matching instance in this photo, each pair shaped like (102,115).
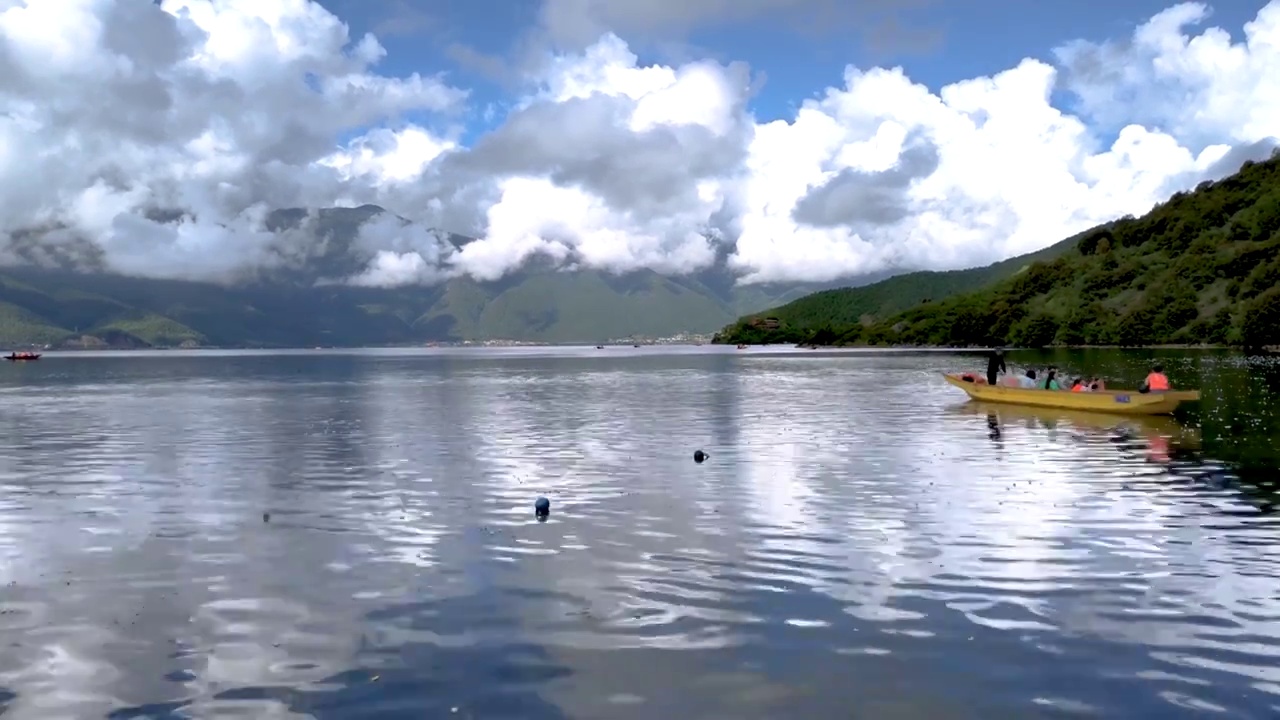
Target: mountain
(864,303)
(1200,268)
(300,302)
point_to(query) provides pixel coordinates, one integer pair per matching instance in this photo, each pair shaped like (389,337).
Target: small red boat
(17,356)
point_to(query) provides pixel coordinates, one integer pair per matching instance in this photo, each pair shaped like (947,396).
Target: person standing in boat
(995,365)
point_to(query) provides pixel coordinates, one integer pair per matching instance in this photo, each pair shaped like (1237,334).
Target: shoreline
(324,348)
(327,347)
(494,343)
(1010,348)
(970,349)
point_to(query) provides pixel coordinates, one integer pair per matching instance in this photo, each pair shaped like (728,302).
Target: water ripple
(349,535)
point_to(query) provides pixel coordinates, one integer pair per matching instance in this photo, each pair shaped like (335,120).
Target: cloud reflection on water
(846,521)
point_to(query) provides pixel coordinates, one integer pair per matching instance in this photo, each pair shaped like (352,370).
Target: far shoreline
(1010,348)
(773,347)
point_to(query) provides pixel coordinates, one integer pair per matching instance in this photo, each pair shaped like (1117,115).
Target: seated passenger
(1077,385)
(1051,381)
(1029,380)
(1156,381)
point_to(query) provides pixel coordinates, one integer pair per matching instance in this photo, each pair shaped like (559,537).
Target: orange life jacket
(1078,388)
(1157,381)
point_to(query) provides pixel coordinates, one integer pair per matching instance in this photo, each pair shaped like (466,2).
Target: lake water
(350,535)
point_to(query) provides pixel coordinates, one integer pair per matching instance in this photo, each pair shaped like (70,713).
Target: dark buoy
(542,508)
(266,517)
(699,456)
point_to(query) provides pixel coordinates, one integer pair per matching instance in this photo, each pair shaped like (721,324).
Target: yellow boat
(1116,402)
(1162,425)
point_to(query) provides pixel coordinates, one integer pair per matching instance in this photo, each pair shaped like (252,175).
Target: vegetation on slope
(19,326)
(853,305)
(1201,268)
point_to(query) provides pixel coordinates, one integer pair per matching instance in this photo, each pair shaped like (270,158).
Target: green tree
(1096,242)
(1134,328)
(1037,330)
(1004,315)
(1069,335)
(1135,281)
(1263,277)
(1178,315)
(970,325)
(1261,324)
(1211,330)
(1174,308)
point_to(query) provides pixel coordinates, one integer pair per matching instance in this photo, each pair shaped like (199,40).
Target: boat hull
(1116,402)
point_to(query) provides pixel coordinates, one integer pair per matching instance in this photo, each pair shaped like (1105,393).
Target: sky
(804,140)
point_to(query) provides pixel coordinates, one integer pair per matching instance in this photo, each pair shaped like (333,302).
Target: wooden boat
(1118,402)
(22,356)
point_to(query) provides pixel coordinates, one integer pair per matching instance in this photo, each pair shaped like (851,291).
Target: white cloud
(225,109)
(402,253)
(1013,174)
(386,156)
(217,108)
(1203,89)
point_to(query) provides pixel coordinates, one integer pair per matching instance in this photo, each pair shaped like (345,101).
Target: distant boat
(22,356)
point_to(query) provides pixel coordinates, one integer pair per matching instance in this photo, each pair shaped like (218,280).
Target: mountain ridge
(860,303)
(1202,267)
(302,301)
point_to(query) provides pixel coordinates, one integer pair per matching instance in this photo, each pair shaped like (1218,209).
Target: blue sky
(963,39)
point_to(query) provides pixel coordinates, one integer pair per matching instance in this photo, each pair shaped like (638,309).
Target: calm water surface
(348,535)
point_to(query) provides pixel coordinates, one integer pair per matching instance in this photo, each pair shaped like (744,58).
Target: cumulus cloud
(402,253)
(621,166)
(858,198)
(221,110)
(1202,89)
(158,139)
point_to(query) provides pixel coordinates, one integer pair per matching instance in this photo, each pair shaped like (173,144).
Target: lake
(332,534)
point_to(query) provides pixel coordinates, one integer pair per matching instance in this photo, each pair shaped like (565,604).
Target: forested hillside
(852,305)
(1201,268)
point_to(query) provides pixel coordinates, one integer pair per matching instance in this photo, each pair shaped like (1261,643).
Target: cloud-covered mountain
(321,283)
(157,139)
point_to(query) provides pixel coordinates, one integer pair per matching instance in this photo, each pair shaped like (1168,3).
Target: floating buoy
(542,507)
(699,456)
